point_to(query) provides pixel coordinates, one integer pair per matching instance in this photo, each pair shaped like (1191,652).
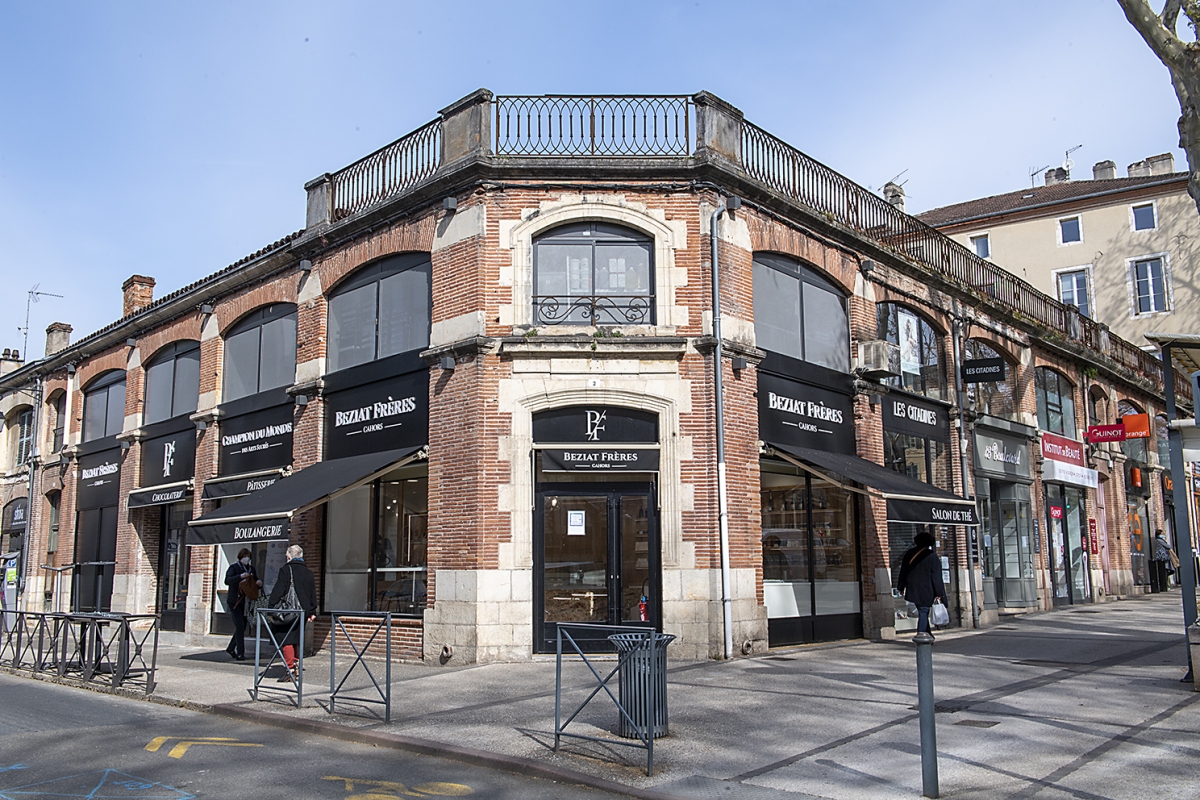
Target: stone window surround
(668,236)
(519,450)
(1091,293)
(1131,285)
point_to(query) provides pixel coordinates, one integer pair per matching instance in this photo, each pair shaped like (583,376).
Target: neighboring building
(478,389)
(1123,250)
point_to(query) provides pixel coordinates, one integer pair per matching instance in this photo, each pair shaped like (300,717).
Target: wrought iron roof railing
(594,126)
(664,126)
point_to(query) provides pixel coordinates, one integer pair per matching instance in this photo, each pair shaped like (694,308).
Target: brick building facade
(431,387)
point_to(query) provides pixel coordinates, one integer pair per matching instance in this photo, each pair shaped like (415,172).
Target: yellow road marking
(182,745)
(429,789)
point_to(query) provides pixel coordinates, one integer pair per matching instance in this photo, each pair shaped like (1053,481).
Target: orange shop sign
(1137,426)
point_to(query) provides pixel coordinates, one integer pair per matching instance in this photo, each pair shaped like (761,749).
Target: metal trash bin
(635,682)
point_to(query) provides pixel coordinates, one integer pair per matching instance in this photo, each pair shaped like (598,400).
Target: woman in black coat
(294,572)
(920,578)
(238,572)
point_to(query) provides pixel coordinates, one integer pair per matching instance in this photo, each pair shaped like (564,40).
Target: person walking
(294,573)
(243,583)
(1162,563)
(920,578)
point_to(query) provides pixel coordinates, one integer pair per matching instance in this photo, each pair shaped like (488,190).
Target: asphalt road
(61,742)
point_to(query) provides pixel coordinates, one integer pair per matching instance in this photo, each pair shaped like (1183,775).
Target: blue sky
(171,140)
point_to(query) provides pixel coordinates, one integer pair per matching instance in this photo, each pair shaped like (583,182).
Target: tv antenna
(893,180)
(34,294)
(1033,173)
(1068,164)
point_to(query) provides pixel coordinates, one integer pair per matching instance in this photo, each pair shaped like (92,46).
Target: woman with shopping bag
(920,581)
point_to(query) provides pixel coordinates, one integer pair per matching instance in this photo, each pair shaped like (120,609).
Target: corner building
(478,389)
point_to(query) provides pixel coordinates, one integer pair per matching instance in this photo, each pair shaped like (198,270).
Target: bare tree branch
(1182,60)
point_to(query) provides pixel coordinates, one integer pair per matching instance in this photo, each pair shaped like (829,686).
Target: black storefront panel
(217,488)
(598,424)
(265,530)
(914,416)
(388,414)
(256,441)
(100,479)
(801,415)
(599,460)
(169,458)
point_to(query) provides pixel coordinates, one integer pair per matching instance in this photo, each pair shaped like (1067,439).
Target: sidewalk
(1082,702)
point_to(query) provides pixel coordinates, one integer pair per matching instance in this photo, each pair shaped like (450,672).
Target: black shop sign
(100,479)
(605,459)
(802,415)
(596,424)
(983,370)
(913,416)
(385,415)
(16,516)
(170,458)
(256,441)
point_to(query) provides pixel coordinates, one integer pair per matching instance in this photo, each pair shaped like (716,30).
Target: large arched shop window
(379,311)
(260,352)
(799,313)
(593,273)
(920,350)
(104,406)
(1055,402)
(172,382)
(996,398)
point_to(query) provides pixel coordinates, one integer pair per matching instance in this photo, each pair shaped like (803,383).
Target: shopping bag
(939,615)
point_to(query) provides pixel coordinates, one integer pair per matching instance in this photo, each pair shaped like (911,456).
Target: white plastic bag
(939,615)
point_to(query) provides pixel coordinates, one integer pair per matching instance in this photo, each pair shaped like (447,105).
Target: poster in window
(910,343)
(575,523)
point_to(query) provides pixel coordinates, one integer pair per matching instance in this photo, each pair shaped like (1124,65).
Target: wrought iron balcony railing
(593,310)
(602,125)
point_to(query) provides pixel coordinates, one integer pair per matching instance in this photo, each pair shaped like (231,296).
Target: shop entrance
(596,559)
(1069,572)
(174,564)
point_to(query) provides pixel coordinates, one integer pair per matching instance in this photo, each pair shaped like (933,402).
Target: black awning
(908,500)
(160,495)
(266,514)
(241,485)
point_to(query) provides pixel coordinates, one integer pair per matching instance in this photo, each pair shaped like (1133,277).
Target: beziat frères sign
(100,479)
(799,414)
(384,415)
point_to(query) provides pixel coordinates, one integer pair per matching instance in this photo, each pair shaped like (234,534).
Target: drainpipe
(22,578)
(959,330)
(722,489)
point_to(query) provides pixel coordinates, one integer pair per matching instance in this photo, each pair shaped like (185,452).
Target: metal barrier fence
(261,621)
(117,649)
(638,711)
(337,689)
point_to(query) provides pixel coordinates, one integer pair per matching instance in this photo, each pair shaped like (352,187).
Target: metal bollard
(929,770)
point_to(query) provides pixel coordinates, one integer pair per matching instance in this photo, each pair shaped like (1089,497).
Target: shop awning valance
(243,484)
(266,515)
(160,495)
(908,500)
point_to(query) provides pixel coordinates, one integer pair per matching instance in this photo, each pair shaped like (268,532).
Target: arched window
(172,382)
(920,350)
(1097,406)
(997,398)
(593,273)
(798,313)
(20,435)
(104,406)
(1055,402)
(260,352)
(381,310)
(56,406)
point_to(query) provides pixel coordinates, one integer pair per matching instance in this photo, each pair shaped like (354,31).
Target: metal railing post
(925,706)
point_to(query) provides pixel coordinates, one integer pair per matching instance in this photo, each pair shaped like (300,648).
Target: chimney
(9,361)
(894,194)
(1057,175)
(1163,164)
(1104,171)
(58,337)
(1139,169)
(139,293)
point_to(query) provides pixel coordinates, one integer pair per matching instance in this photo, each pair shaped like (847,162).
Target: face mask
(246,560)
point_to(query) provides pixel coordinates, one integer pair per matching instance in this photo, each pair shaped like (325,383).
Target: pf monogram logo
(595,420)
(168,458)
